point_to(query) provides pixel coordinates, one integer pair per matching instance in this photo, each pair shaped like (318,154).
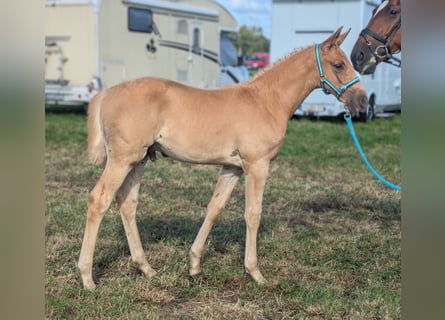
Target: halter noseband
(324,81)
(385,44)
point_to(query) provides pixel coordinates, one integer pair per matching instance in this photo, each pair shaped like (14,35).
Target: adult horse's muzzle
(363,60)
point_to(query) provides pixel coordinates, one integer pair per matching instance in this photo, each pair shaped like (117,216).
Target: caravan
(94,44)
(299,24)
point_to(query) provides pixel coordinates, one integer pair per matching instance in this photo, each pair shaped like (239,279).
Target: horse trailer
(94,44)
(296,24)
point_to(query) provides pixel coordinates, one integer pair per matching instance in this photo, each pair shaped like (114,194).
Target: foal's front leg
(255,181)
(226,182)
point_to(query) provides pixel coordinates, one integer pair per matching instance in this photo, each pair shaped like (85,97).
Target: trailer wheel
(369,114)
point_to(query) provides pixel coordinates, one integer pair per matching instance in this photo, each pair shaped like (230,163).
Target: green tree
(250,40)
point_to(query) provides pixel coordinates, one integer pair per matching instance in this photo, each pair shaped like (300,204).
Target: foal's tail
(96,139)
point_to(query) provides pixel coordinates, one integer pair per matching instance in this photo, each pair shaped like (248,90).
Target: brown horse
(239,127)
(381,38)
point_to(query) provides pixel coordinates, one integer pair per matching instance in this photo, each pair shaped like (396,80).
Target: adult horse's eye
(394,12)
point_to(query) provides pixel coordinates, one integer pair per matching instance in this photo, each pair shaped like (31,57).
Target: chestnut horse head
(380,39)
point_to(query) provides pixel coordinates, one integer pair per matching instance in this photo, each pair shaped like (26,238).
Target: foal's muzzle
(356,101)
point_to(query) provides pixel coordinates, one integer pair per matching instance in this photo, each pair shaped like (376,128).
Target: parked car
(257,60)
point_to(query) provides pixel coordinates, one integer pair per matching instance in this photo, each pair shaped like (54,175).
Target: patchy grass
(329,241)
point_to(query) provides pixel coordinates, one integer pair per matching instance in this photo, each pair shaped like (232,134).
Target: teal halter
(324,81)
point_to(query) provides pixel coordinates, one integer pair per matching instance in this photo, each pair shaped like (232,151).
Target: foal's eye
(339,66)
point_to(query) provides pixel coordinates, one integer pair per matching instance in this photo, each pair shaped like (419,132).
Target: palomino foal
(239,127)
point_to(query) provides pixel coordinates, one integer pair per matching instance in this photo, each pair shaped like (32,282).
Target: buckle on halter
(386,53)
(347,114)
(323,82)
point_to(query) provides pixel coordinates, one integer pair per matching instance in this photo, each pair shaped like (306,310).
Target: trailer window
(140,20)
(227,51)
(196,39)
(182,27)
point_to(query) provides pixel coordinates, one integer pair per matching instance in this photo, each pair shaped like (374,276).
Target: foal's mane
(276,63)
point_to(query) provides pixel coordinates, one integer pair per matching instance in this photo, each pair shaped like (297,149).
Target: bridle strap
(325,82)
(388,55)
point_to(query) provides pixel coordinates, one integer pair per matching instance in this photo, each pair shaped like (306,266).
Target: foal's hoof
(195,271)
(89,285)
(149,272)
(195,264)
(258,277)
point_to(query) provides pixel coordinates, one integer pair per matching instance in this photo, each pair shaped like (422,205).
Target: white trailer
(94,44)
(297,24)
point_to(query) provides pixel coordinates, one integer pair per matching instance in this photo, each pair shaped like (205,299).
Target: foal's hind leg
(224,187)
(98,202)
(127,198)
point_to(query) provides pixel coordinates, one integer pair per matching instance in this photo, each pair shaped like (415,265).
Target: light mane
(276,63)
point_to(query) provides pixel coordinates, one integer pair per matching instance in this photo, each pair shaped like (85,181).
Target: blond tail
(96,140)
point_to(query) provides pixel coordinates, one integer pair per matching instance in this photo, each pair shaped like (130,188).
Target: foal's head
(380,39)
(337,75)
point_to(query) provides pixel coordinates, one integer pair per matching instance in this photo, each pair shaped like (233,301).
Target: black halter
(387,55)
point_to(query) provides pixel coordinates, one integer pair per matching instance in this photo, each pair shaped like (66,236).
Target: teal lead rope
(339,91)
(359,148)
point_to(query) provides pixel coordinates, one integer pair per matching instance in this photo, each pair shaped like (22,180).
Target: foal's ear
(342,37)
(333,39)
(336,39)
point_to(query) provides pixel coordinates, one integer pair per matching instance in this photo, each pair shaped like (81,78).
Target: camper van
(94,44)
(297,24)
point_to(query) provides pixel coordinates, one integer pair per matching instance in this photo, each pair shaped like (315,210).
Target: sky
(256,13)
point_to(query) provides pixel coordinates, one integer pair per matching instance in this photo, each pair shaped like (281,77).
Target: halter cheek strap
(325,82)
(388,55)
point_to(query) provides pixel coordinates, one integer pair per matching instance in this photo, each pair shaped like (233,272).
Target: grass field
(329,241)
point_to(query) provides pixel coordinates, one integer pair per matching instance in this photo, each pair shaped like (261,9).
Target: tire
(369,114)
